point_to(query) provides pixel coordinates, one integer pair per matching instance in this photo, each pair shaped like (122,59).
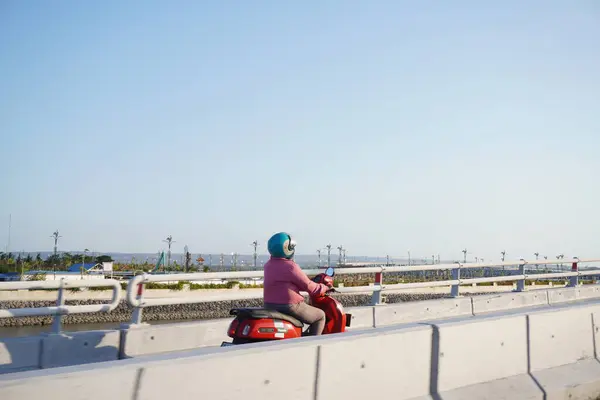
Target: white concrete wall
(562,351)
(20,353)
(371,366)
(484,357)
(47,350)
(499,339)
(362,317)
(422,310)
(564,295)
(286,373)
(152,339)
(57,350)
(508,301)
(118,382)
(71,348)
(525,354)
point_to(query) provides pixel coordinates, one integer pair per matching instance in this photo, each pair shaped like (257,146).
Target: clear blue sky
(383,126)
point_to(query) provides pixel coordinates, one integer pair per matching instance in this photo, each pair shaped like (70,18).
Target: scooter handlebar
(324,279)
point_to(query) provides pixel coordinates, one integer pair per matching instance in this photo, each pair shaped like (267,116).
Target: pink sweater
(284,280)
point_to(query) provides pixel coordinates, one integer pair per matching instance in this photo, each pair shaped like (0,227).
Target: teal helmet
(281,245)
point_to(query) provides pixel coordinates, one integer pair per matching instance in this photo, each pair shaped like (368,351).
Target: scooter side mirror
(330,271)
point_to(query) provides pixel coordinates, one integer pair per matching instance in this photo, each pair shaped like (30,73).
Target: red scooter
(253,325)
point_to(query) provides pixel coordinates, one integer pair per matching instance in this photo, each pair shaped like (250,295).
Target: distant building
(49,275)
(89,267)
(10,276)
(91,271)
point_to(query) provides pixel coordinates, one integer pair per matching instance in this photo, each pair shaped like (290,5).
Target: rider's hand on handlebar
(328,281)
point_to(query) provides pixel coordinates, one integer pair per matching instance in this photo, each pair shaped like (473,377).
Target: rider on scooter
(283,281)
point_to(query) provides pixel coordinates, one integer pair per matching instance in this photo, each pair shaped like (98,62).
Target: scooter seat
(259,313)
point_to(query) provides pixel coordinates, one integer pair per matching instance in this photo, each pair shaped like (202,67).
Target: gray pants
(303,312)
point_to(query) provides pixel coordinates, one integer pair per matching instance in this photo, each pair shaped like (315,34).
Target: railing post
(57,321)
(574,280)
(455,276)
(376,298)
(521,282)
(136,316)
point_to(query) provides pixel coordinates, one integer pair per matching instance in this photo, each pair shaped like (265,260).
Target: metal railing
(61,308)
(135,288)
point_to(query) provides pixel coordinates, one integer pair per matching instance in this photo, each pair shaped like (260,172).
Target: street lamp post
(255,244)
(55,235)
(319,257)
(169,240)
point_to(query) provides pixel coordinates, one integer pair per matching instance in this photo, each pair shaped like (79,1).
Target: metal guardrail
(135,288)
(61,309)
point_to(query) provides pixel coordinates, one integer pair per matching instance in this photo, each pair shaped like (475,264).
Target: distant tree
(52,260)
(104,258)
(25,266)
(37,277)
(66,259)
(188,260)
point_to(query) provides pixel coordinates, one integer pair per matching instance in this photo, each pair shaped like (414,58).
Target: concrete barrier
(117,382)
(46,351)
(362,317)
(58,350)
(507,301)
(422,310)
(523,354)
(257,373)
(569,331)
(556,296)
(72,348)
(374,366)
(562,352)
(483,358)
(20,354)
(151,339)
